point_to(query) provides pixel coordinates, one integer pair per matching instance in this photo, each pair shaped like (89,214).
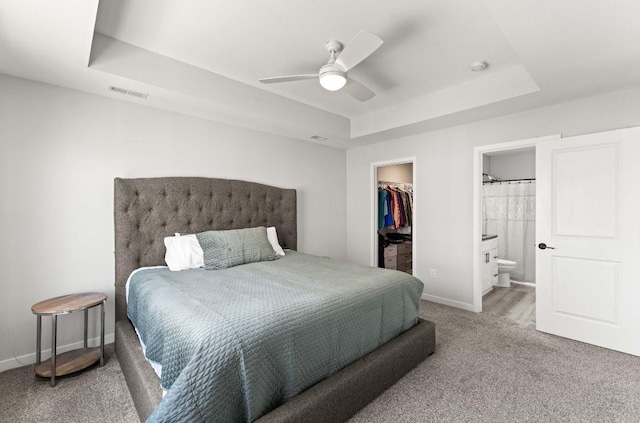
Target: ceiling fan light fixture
(332,80)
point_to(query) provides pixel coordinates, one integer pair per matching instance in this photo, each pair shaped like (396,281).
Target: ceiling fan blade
(289,78)
(358,91)
(358,49)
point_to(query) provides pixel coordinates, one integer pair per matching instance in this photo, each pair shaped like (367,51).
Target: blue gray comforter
(236,343)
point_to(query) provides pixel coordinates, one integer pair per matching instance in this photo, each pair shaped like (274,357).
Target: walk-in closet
(395,217)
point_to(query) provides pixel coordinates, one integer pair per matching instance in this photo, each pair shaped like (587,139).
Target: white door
(588,214)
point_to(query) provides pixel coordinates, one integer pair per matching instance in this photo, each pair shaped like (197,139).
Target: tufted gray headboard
(147,210)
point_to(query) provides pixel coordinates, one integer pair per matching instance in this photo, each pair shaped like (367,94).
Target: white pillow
(183,252)
(272,235)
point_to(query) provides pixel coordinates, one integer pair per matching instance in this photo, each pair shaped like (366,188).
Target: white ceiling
(204,58)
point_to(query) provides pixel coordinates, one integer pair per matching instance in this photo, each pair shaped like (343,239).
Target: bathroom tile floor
(517,302)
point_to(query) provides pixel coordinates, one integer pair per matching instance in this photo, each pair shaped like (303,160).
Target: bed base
(148,209)
(334,399)
(142,380)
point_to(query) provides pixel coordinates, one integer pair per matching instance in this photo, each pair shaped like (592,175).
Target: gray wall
(59,152)
(514,165)
(61,149)
(442,233)
(396,173)
(486,164)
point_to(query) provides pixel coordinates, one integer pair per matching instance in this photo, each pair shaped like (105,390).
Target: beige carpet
(485,369)
(492,369)
(99,394)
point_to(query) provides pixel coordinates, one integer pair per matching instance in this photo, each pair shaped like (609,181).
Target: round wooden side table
(76,360)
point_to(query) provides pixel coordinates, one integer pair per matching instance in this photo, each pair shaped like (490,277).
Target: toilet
(504,267)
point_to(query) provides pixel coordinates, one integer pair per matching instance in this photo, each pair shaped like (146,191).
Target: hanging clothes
(395,205)
(397,209)
(406,208)
(383,207)
(388,219)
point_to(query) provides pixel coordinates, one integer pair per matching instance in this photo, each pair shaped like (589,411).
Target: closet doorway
(393,215)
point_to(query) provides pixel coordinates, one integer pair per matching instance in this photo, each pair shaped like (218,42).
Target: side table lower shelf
(70,362)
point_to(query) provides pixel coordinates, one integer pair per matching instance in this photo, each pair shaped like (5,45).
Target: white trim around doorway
(477,205)
(374,209)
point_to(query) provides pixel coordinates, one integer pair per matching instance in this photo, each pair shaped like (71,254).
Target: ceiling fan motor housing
(331,68)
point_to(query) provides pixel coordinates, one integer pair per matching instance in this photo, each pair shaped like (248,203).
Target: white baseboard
(446,301)
(28,359)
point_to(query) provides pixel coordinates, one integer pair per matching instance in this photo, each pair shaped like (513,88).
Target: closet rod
(394,183)
(508,180)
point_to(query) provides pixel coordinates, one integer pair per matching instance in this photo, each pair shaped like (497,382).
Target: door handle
(544,246)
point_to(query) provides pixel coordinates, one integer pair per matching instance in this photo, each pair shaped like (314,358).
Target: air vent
(128,92)
(318,137)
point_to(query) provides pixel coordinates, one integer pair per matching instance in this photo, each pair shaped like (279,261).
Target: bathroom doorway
(504,229)
(508,234)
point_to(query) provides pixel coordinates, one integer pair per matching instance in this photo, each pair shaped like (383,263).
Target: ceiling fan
(333,76)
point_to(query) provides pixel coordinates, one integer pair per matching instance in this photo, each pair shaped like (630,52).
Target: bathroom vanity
(489,262)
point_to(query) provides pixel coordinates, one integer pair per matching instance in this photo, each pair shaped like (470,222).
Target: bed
(147,210)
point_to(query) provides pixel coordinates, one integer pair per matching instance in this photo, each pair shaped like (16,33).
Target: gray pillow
(224,249)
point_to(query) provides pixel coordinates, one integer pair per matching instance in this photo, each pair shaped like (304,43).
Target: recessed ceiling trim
(490,88)
(182,88)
